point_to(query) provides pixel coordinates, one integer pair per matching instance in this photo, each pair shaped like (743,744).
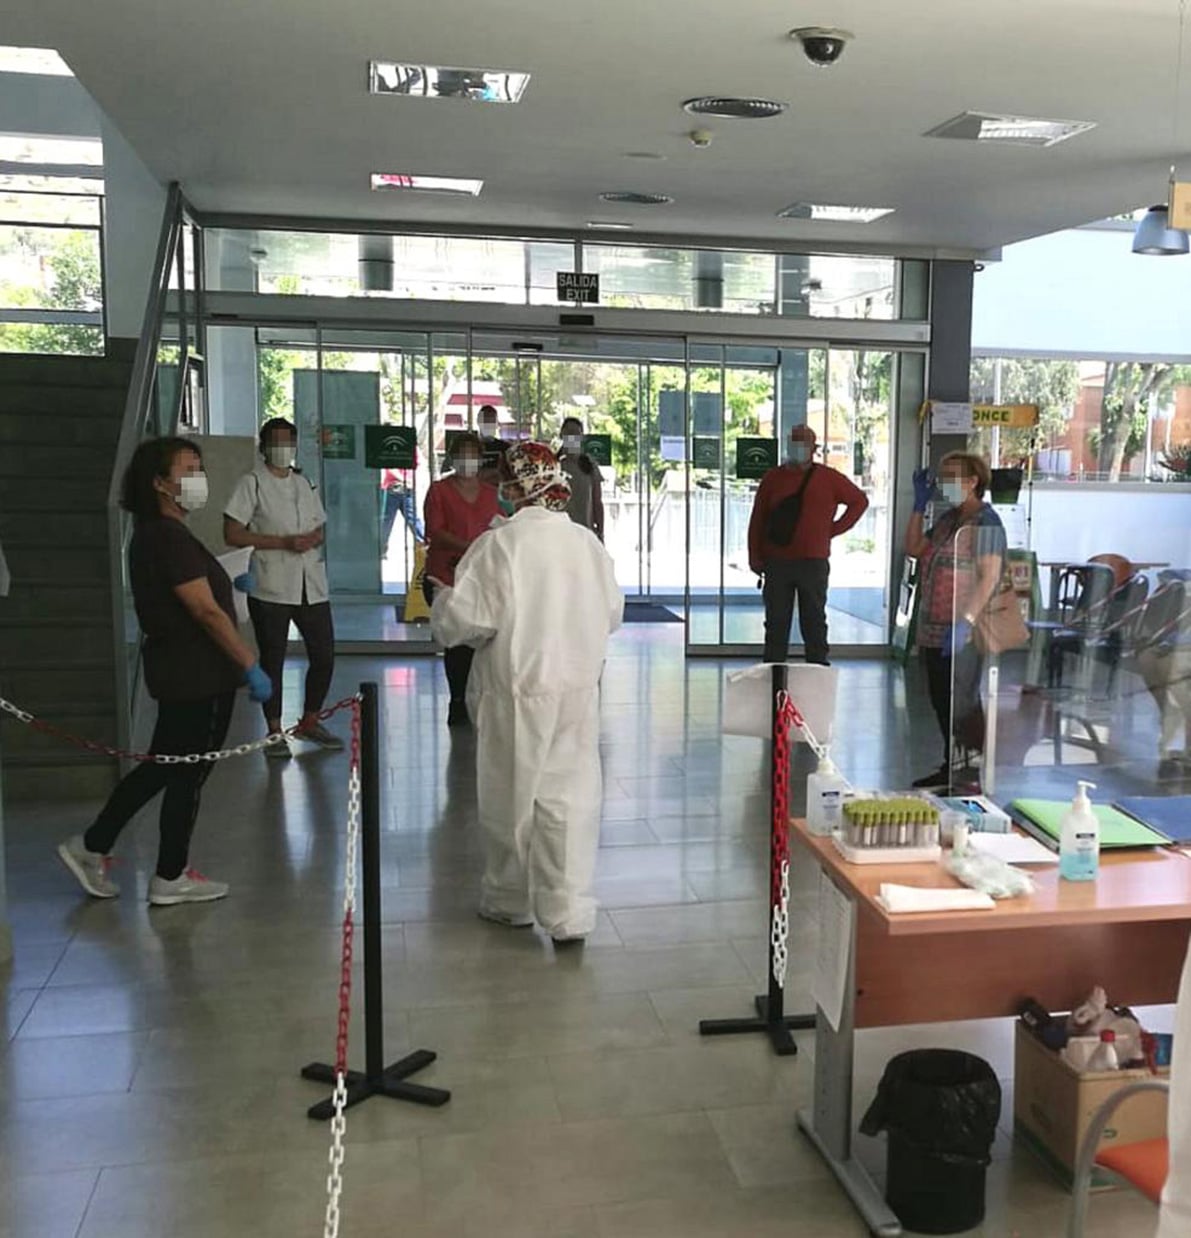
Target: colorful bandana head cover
(535,468)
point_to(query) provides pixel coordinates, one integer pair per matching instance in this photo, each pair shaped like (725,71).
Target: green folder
(1117,829)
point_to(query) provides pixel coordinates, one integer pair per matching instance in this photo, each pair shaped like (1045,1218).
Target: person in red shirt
(793,522)
(459,508)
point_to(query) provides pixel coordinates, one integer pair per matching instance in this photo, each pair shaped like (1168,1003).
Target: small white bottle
(1104,1055)
(826,790)
(1079,838)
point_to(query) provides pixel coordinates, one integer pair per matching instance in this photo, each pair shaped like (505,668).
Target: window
(51,281)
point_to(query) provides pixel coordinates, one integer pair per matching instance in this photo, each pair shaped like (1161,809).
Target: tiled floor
(150,1061)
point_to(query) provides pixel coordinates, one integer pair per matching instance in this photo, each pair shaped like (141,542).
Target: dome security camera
(822,45)
(700,138)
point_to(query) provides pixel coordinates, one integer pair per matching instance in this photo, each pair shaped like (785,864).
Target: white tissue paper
(897,899)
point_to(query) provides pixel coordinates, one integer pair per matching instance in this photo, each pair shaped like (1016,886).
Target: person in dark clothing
(961,564)
(793,523)
(194,661)
(492,446)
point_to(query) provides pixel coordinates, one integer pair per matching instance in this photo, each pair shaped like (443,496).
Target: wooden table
(1127,931)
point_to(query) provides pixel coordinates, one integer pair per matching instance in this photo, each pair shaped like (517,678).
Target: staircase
(60,421)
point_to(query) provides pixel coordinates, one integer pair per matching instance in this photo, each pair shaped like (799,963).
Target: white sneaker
(89,868)
(191,887)
(279,749)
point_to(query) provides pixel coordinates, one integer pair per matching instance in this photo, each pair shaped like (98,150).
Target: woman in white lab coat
(537,598)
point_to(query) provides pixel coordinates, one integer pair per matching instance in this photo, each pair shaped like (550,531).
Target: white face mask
(798,453)
(281,457)
(572,444)
(194,492)
(954,492)
(488,429)
(467,466)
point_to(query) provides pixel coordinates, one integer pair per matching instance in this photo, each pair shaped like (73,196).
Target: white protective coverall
(537,598)
(1176,1198)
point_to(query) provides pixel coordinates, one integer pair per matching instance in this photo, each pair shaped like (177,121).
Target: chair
(1142,1166)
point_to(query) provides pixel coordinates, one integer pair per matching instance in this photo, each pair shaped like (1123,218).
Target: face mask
(953,492)
(488,429)
(467,466)
(798,453)
(281,457)
(509,493)
(506,508)
(193,495)
(572,444)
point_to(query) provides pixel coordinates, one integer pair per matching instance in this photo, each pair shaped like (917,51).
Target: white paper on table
(898,898)
(236,563)
(950,418)
(835,949)
(1012,848)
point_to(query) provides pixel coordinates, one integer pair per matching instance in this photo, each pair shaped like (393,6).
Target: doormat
(648,612)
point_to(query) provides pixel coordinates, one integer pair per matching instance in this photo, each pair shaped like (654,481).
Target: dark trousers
(960,716)
(270,622)
(456,661)
(182,727)
(788,581)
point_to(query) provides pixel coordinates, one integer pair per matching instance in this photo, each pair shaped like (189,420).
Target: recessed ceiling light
(736,107)
(1009,130)
(631,197)
(644,154)
(608,225)
(426,81)
(465,186)
(836,214)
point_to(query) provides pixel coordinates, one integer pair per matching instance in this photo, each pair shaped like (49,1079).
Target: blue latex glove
(260,686)
(245,582)
(956,637)
(924,487)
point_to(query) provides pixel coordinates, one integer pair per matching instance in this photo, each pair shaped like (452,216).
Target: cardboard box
(1053,1105)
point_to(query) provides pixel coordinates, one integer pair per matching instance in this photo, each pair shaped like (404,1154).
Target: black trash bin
(941,1109)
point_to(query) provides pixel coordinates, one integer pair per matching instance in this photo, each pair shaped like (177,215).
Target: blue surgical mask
(798,453)
(953,492)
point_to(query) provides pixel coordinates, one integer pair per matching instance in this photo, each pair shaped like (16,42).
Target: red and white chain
(160,758)
(339,1097)
(787,717)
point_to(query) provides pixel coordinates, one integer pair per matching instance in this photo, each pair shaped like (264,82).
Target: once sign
(578,286)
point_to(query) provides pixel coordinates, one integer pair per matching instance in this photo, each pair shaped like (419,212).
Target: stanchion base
(391,1084)
(778,1029)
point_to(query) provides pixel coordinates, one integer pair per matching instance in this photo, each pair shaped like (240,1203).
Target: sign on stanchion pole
(771,1017)
(376,1079)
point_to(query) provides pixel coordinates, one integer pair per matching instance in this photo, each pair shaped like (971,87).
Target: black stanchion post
(376,1079)
(771,1017)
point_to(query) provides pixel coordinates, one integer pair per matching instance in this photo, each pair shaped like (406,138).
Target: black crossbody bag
(783,520)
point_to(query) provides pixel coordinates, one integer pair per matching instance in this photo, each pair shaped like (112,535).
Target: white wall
(47,106)
(1083,293)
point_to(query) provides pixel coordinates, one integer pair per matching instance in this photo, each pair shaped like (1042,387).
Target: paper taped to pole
(748,701)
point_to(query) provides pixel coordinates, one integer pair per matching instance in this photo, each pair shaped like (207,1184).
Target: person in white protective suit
(537,598)
(1176,1198)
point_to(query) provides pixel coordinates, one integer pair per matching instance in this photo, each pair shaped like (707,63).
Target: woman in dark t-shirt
(194,661)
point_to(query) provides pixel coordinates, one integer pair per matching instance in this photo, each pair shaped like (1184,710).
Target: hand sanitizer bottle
(1079,839)
(825,791)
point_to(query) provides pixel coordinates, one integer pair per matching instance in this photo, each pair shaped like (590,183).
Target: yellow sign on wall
(1011,416)
(416,610)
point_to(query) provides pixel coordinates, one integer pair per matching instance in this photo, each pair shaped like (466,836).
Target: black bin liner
(941,1109)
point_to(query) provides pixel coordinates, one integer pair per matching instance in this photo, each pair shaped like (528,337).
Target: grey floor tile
(691,923)
(71,1066)
(45,1205)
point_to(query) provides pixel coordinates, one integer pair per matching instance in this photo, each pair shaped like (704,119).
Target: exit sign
(578,286)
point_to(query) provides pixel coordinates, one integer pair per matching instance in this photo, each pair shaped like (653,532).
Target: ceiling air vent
(631,197)
(1009,130)
(732,106)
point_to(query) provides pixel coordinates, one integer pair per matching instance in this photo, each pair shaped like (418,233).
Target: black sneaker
(939,780)
(457,715)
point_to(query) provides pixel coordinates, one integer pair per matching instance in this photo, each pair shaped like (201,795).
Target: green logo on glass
(389,447)
(598,448)
(705,453)
(339,442)
(755,457)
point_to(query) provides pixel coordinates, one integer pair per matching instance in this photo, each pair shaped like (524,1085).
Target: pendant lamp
(1154,236)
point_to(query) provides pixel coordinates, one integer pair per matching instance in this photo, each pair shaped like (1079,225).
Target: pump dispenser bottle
(825,791)
(1079,838)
